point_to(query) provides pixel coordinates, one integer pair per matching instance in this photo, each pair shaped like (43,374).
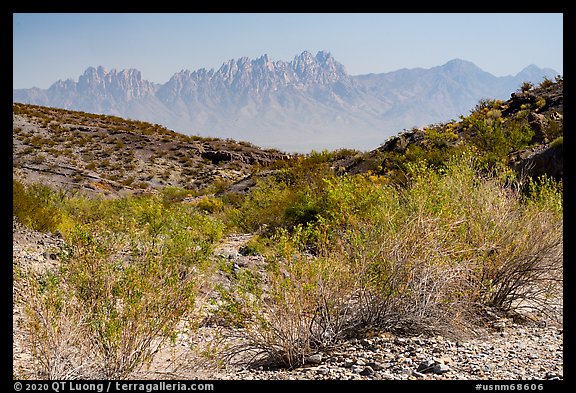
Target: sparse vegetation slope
(421,236)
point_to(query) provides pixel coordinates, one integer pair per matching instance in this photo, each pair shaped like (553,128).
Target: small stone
(323,370)
(314,359)
(367,371)
(360,362)
(499,325)
(426,366)
(50,255)
(386,365)
(440,368)
(348,362)
(356,369)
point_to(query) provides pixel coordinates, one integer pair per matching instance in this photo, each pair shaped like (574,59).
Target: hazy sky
(50,46)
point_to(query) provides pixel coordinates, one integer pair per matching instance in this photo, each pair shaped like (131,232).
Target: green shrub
(546,83)
(130,274)
(495,138)
(210,204)
(35,206)
(129,307)
(171,194)
(545,193)
(417,259)
(265,205)
(526,86)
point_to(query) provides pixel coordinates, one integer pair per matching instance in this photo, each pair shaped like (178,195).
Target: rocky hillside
(535,112)
(115,156)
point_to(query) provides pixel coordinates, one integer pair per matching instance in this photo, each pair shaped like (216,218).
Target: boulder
(540,160)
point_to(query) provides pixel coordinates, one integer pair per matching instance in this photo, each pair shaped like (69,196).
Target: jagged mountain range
(308,103)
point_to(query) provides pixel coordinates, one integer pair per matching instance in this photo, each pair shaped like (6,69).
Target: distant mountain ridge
(310,102)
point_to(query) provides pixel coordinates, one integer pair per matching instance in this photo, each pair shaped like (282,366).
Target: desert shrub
(304,208)
(436,156)
(217,186)
(523,270)
(53,327)
(170,194)
(546,83)
(38,159)
(440,137)
(526,86)
(288,196)
(28,150)
(132,307)
(419,258)
(290,322)
(140,184)
(494,138)
(232,199)
(554,129)
(265,205)
(486,104)
(546,193)
(127,181)
(210,204)
(131,271)
(35,206)
(513,243)
(257,245)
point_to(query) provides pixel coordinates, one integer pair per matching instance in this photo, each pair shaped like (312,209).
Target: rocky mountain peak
(124,85)
(324,57)
(321,68)
(304,57)
(461,66)
(532,72)
(264,74)
(266,62)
